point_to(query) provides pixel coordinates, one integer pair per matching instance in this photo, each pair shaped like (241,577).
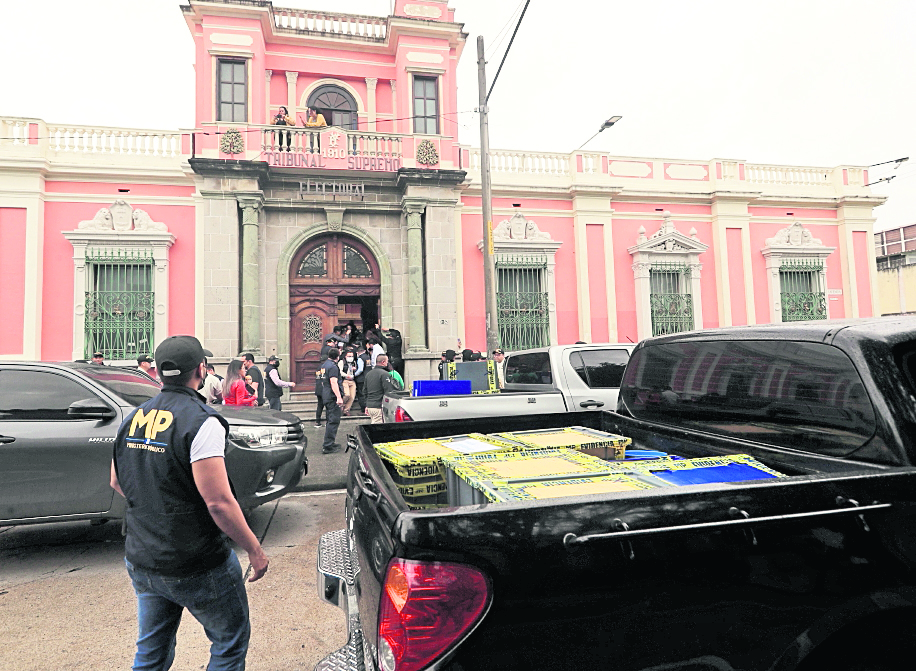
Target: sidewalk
(327,471)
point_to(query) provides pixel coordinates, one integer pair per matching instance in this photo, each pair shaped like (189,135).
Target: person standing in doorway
(377,349)
(378,383)
(169,463)
(333,400)
(274,384)
(350,367)
(257,378)
(365,356)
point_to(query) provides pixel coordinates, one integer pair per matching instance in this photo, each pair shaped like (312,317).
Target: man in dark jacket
(256,376)
(332,399)
(378,383)
(169,463)
(274,384)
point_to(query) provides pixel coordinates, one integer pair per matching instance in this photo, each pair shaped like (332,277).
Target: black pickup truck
(810,571)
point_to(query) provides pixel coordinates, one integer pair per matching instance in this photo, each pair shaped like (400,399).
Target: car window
(600,368)
(132,386)
(530,368)
(795,394)
(908,365)
(33,394)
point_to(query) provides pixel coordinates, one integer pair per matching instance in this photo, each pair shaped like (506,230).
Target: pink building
(261,237)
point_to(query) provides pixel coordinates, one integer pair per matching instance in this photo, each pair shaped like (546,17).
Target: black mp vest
(271,390)
(169,529)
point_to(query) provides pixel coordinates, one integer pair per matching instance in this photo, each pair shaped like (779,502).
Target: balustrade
(782,175)
(350,25)
(522,163)
(306,140)
(98,140)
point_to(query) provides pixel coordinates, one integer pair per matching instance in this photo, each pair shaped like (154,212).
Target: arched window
(336,105)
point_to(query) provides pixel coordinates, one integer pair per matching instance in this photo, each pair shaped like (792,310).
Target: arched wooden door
(333,280)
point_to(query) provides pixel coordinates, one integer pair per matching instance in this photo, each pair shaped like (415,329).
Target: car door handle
(589,404)
(6,439)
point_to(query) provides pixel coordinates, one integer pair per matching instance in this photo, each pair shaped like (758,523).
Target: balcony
(324,24)
(293,146)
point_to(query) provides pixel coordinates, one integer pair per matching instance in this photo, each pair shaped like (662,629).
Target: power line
(503,32)
(514,33)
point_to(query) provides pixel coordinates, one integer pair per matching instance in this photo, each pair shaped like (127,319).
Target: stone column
(267,75)
(250,289)
(395,124)
(416,304)
(291,78)
(371,83)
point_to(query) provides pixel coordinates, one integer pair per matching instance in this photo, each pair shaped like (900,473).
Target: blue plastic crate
(441,387)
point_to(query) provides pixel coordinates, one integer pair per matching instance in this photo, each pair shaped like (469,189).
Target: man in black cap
(274,384)
(145,365)
(256,376)
(98,359)
(499,359)
(169,463)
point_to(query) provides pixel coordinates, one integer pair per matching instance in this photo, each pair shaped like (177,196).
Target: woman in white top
(350,366)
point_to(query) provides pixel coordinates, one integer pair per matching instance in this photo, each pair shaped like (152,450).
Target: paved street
(66,601)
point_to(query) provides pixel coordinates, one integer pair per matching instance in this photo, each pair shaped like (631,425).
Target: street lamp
(607,124)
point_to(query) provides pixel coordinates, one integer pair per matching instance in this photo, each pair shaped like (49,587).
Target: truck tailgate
(642,579)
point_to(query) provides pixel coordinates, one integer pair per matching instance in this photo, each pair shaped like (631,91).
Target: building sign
(333,188)
(330,152)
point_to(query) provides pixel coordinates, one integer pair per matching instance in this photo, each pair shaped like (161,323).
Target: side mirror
(90,408)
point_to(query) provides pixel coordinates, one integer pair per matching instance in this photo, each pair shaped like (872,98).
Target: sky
(795,82)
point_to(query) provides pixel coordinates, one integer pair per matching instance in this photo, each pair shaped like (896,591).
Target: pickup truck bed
(811,571)
(579,580)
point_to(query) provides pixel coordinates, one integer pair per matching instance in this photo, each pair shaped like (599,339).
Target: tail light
(400,415)
(427,607)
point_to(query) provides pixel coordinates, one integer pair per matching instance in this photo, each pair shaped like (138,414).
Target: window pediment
(668,240)
(796,241)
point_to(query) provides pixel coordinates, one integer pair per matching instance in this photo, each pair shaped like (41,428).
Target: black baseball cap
(98,354)
(179,354)
(498,351)
(144,358)
(273,357)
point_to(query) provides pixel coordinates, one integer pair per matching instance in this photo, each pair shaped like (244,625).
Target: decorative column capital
(394,84)
(291,77)
(414,211)
(371,82)
(250,205)
(268,74)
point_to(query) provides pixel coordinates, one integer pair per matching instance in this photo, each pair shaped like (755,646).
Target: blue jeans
(217,599)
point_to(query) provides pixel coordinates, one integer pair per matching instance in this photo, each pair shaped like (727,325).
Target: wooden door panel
(311,319)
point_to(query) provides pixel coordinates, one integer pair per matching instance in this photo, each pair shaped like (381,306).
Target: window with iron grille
(670,300)
(426,105)
(522,302)
(232,91)
(119,303)
(801,292)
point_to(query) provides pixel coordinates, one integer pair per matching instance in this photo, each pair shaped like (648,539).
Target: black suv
(58,423)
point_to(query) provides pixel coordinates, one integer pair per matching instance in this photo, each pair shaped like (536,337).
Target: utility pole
(489,262)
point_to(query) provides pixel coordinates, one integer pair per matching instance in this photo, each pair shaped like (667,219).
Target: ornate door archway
(333,279)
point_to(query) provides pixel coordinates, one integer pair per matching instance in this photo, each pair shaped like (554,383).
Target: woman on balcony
(282,118)
(315,119)
(234,391)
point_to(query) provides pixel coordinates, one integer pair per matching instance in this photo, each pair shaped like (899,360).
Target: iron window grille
(522,302)
(801,292)
(232,91)
(670,300)
(120,303)
(426,105)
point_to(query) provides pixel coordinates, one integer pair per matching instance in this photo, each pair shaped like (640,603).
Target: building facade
(259,237)
(895,252)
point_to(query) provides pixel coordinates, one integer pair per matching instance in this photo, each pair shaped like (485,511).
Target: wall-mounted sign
(334,188)
(834,292)
(330,150)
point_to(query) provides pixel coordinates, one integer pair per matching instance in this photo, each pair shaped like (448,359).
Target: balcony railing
(91,140)
(373,28)
(352,142)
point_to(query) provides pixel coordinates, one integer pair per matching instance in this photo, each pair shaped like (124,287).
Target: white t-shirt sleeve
(210,441)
